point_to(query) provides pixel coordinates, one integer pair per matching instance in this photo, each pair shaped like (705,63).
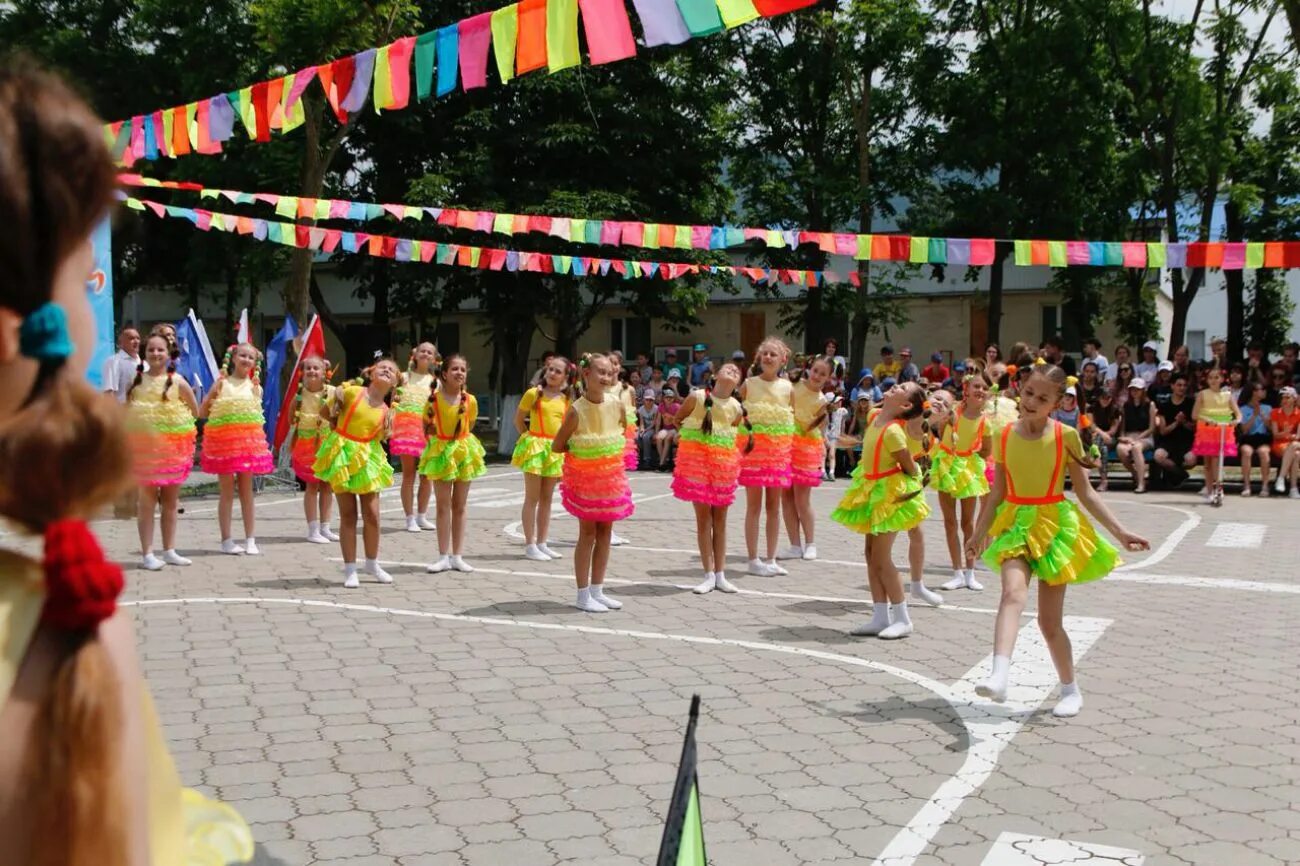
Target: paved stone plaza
(479,719)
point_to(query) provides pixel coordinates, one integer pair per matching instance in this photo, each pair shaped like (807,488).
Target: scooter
(1216,492)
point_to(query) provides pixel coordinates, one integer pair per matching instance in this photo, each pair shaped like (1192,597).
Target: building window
(448,340)
(1196,345)
(1051,321)
(631,336)
(1063,323)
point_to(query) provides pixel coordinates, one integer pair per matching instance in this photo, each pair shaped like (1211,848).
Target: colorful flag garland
(523,37)
(899,248)
(466,256)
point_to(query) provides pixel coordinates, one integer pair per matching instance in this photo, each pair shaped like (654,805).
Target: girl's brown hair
(919,407)
(62,455)
(1060,379)
(441,372)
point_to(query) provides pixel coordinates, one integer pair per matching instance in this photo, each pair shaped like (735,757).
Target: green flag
(683,839)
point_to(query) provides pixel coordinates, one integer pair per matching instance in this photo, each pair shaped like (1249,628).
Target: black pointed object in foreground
(683,840)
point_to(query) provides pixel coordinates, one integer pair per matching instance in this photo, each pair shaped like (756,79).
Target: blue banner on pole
(99,289)
(276,353)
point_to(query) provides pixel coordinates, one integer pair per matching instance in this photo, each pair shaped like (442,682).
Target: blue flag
(196,362)
(276,352)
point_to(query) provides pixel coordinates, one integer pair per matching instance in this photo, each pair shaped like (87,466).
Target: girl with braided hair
(314,391)
(708,465)
(160,424)
(85,774)
(409,440)
(352,462)
(808,456)
(594,486)
(234,441)
(538,419)
(452,459)
(960,473)
(884,499)
(1031,530)
(765,444)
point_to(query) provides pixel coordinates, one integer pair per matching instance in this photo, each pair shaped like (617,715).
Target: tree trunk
(379,291)
(327,317)
(232,287)
(861,318)
(316,161)
(866,218)
(1184,293)
(1235,282)
(996,274)
(1293,16)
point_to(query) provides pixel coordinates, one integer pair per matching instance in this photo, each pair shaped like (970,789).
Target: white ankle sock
(899,612)
(721,582)
(1070,703)
(598,594)
(995,686)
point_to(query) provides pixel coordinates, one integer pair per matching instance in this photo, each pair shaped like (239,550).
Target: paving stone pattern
(363,736)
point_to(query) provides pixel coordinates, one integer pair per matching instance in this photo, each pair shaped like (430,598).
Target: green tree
(834,133)
(300,33)
(1029,134)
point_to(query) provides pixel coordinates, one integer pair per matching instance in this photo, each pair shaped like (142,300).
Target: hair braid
(460,413)
(706,426)
(139,376)
(171,377)
(225,360)
(430,408)
(749,428)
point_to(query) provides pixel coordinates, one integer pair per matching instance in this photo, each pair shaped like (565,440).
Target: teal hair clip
(44,334)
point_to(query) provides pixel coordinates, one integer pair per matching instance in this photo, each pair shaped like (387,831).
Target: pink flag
(475,36)
(982,251)
(1234,256)
(399,68)
(609,33)
(1135,255)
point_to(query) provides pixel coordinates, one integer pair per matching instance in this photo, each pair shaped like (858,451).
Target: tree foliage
(988,118)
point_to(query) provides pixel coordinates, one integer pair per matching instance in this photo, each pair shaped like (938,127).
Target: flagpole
(683,839)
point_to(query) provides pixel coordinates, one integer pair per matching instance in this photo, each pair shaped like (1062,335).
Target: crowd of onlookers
(1134,409)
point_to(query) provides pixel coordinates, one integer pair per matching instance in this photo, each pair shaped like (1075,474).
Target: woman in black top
(1090,385)
(1136,428)
(1175,430)
(1106,417)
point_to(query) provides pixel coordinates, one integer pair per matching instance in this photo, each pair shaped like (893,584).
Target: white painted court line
(1033,680)
(1208,582)
(1017,849)
(1237,535)
(618,581)
(990,728)
(1171,542)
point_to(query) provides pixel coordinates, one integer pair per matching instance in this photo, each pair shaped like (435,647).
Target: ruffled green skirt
(453,459)
(1056,540)
(534,456)
(959,477)
(874,507)
(348,466)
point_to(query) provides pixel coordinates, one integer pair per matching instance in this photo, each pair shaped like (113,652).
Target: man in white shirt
(120,368)
(1092,352)
(1146,368)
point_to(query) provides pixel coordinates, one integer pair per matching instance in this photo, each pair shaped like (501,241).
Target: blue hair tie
(44,334)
